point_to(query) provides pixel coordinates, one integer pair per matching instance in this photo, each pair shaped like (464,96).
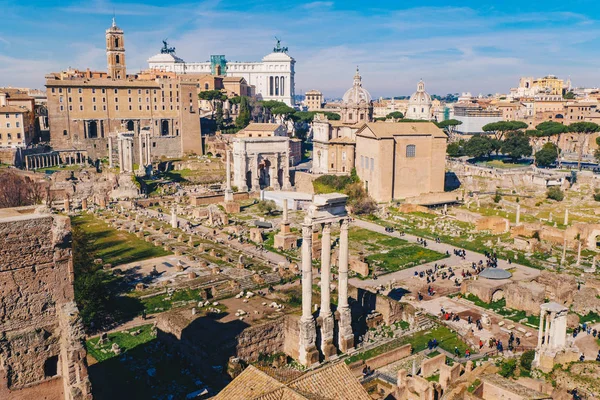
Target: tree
(332,116)
(395,115)
(17,190)
(215,97)
(552,128)
(547,155)
(583,129)
(507,367)
(218,115)
(449,126)
(555,193)
(243,118)
(516,145)
(597,151)
(501,127)
(569,95)
(478,146)
(456,149)
(527,359)
(267,206)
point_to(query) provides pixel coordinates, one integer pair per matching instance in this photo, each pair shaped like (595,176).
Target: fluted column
(307,350)
(547,331)
(346,337)
(325,270)
(325,319)
(228,190)
(541,329)
(286,172)
(551,332)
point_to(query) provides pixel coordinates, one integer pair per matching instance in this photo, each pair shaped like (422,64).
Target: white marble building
(273,76)
(419,105)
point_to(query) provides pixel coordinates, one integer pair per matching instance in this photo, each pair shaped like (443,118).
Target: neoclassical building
(334,141)
(273,76)
(261,158)
(419,105)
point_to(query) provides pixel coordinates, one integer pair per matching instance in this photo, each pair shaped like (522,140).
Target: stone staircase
(422,322)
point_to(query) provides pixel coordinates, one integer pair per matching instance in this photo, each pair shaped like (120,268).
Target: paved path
(522,272)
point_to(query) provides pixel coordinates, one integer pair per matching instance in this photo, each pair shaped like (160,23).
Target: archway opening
(93,129)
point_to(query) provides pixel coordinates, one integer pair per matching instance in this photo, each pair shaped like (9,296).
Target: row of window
(70,99)
(17,124)
(140,108)
(103,90)
(8,115)
(364,162)
(9,136)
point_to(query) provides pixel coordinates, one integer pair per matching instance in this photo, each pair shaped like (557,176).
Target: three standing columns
(308,353)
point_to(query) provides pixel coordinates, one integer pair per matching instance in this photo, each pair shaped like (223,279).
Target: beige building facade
(85,107)
(313,100)
(400,160)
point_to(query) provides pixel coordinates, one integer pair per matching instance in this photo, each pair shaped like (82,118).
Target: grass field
(447,340)
(389,253)
(113,246)
(124,339)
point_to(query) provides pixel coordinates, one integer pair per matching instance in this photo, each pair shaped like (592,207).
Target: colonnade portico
(55,158)
(325,211)
(552,334)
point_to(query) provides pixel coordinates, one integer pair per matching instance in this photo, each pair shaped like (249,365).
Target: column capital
(327,227)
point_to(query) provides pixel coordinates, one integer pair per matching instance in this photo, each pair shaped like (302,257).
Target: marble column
(346,337)
(551,333)
(120,149)
(286,172)
(325,319)
(255,175)
(275,173)
(307,351)
(547,331)
(228,190)
(141,149)
(27,163)
(518,218)
(566,216)
(110,159)
(541,329)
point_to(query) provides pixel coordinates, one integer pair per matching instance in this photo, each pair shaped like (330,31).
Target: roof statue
(166,49)
(278,48)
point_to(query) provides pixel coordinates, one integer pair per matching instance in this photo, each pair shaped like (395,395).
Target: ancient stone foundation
(42,355)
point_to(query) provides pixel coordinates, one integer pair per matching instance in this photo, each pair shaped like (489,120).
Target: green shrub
(527,359)
(507,367)
(555,193)
(497,197)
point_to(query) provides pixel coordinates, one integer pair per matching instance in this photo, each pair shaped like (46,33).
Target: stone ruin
(42,352)
(553,346)
(285,239)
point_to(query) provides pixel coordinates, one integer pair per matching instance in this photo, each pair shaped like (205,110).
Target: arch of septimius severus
(326,211)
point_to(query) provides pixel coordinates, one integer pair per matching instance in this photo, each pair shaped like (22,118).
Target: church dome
(357,94)
(420,96)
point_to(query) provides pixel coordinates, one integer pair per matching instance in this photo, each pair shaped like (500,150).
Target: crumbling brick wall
(41,338)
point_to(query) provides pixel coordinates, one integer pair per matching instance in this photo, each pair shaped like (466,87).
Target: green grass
(447,340)
(404,257)
(113,246)
(500,308)
(390,253)
(163,302)
(504,165)
(125,341)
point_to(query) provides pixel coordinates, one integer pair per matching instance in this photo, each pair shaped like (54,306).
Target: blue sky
(477,46)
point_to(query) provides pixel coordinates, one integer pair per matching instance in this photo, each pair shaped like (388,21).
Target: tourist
(467,353)
(481,345)
(456,351)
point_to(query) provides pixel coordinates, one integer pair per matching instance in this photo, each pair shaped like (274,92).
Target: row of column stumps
(308,353)
(36,161)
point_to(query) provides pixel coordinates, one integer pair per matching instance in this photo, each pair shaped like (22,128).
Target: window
(93,90)
(70,108)
(116,91)
(94,108)
(81,99)
(69,90)
(93,99)
(117,108)
(18,124)
(104,108)
(62,108)
(103,90)
(411,150)
(18,136)
(130,99)
(60,99)
(118,59)
(129,91)
(9,136)
(80,108)
(70,99)
(59,90)
(116,99)
(8,124)
(372,164)
(79,90)
(52,90)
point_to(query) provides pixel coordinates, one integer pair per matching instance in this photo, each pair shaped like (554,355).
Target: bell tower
(115,52)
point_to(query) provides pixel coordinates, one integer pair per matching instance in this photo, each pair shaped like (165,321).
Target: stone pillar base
(346,336)
(327,347)
(308,355)
(346,343)
(228,195)
(232,207)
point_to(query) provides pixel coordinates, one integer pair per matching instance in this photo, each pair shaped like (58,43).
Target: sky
(476,46)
